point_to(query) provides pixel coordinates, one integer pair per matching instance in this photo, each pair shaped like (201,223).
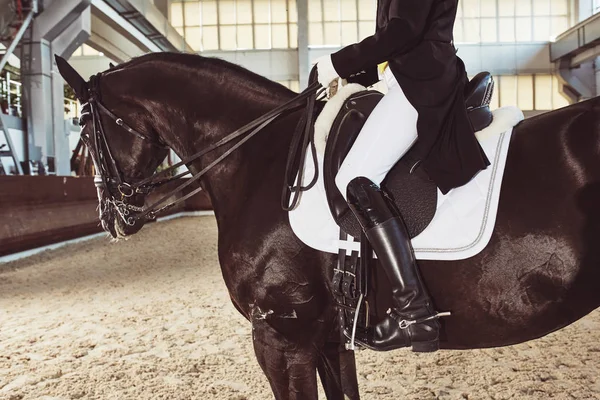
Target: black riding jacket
(415,36)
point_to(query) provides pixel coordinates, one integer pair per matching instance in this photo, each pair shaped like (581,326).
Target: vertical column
(303,60)
(60,28)
(597,76)
(65,45)
(163,6)
(36,78)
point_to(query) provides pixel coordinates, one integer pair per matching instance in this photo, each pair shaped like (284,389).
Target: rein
(303,136)
(108,174)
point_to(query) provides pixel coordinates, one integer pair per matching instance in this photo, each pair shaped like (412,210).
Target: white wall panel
(278,65)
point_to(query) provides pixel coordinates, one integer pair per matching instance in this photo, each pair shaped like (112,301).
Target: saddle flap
(344,130)
(412,191)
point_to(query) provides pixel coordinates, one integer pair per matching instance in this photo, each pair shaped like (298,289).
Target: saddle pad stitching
(488,92)
(487,207)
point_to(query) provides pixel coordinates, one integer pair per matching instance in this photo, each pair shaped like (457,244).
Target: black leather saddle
(413,192)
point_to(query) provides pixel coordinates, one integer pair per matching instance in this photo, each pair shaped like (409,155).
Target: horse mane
(198,62)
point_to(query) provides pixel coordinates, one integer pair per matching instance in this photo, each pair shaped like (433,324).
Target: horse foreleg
(289,366)
(337,369)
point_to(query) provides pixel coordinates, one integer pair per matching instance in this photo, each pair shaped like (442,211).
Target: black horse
(539,273)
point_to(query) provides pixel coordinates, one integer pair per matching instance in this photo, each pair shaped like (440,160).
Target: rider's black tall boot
(411,321)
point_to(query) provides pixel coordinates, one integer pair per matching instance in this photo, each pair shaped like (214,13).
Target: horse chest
(273,288)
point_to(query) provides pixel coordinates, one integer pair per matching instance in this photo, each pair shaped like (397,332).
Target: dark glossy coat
(415,36)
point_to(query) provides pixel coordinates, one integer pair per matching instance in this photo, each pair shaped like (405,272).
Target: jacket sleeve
(366,78)
(407,22)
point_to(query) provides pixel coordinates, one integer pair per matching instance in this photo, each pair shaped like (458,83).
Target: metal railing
(10,95)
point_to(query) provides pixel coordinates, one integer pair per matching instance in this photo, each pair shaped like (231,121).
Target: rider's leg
(412,319)
(387,135)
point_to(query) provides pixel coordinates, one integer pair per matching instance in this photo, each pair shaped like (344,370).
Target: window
(85,50)
(343,22)
(510,21)
(528,92)
(236,24)
(340,22)
(292,85)
(596,6)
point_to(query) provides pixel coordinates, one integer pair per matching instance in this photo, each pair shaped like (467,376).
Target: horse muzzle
(120,218)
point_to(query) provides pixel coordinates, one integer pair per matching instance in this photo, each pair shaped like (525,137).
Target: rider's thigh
(388,133)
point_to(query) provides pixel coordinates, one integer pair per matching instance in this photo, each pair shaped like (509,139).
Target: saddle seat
(410,188)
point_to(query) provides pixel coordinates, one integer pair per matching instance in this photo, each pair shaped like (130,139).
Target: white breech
(389,132)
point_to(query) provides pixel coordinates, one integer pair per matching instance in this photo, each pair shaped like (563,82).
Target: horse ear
(73,79)
(111,65)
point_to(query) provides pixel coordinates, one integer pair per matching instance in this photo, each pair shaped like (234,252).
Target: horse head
(123,144)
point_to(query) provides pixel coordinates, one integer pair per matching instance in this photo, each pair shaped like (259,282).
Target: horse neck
(219,107)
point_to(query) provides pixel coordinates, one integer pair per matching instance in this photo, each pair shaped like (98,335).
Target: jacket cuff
(366,78)
(341,64)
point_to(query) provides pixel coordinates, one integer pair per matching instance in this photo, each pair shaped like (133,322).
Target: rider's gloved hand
(326,71)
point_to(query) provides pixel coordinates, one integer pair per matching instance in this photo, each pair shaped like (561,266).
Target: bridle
(118,189)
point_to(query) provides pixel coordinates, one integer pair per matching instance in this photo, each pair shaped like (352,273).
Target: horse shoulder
(274,276)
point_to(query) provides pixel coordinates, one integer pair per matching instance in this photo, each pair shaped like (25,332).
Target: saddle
(414,194)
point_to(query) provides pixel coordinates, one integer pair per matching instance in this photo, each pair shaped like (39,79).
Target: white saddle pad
(464,219)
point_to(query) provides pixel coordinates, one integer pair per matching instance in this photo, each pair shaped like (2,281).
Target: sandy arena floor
(128,320)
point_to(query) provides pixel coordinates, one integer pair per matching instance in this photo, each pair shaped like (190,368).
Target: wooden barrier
(40,210)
